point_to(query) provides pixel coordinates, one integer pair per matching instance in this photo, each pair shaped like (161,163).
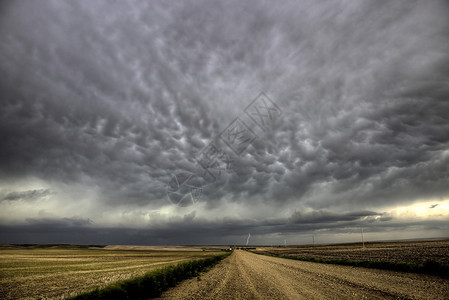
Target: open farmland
(61,273)
(245,275)
(400,252)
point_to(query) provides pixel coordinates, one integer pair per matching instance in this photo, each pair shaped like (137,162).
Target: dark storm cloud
(320,216)
(47,223)
(225,231)
(26,195)
(118,97)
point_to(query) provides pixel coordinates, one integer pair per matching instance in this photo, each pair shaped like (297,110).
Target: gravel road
(245,275)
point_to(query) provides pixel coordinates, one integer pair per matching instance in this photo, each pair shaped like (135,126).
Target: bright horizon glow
(423,209)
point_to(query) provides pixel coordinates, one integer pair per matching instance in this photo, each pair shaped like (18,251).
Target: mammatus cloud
(101,104)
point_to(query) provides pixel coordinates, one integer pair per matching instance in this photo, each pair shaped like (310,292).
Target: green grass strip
(430,267)
(153,283)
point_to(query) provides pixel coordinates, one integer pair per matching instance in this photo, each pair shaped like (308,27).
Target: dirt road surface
(245,275)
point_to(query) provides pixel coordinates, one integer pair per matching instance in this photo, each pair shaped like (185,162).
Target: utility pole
(285,243)
(363,241)
(313,240)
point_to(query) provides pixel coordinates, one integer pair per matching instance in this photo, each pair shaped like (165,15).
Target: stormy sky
(199,122)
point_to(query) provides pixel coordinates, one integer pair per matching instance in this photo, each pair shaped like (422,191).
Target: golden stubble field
(62,273)
(410,252)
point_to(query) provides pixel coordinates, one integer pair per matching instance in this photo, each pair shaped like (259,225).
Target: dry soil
(245,275)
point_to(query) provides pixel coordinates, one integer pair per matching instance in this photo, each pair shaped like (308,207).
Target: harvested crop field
(62,273)
(409,252)
(245,275)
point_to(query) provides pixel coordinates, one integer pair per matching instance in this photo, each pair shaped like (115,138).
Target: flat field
(245,275)
(409,252)
(61,273)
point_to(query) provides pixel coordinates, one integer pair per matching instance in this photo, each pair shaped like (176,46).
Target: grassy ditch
(430,267)
(152,284)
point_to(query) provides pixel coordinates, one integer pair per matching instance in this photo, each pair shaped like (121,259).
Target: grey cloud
(222,231)
(122,96)
(26,195)
(190,216)
(321,216)
(58,223)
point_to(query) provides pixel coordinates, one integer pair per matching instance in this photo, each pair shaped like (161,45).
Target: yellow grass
(61,273)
